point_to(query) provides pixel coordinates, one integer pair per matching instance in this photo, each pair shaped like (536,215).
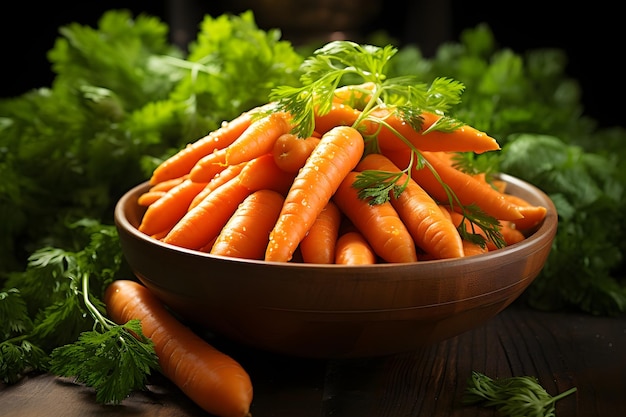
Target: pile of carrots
(252,189)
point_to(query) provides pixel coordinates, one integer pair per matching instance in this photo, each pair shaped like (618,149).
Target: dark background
(592,36)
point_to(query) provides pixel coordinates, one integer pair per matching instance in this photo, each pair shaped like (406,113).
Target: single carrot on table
(182,162)
(291,152)
(246,233)
(353,249)
(210,378)
(337,153)
(163,214)
(431,230)
(318,246)
(379,223)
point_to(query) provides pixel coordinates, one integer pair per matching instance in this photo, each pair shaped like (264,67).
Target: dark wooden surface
(562,350)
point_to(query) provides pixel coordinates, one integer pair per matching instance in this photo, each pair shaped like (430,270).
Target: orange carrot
(339,115)
(379,223)
(262,172)
(146,199)
(357,95)
(533,215)
(169,209)
(318,246)
(468,189)
(463,139)
(246,233)
(510,234)
(290,151)
(337,153)
(210,378)
(258,139)
(167,185)
(220,178)
(181,162)
(431,230)
(353,249)
(471,248)
(204,222)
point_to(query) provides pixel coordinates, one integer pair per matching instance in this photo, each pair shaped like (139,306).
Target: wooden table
(562,349)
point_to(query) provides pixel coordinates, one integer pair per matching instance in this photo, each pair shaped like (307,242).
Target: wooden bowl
(333,311)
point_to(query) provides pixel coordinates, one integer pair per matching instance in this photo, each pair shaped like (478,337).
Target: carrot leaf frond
(488,224)
(378,186)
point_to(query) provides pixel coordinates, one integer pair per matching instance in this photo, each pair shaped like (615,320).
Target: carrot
(431,230)
(246,233)
(181,162)
(357,95)
(167,185)
(337,153)
(467,189)
(471,248)
(290,151)
(510,234)
(220,178)
(318,246)
(169,209)
(339,115)
(210,378)
(533,215)
(204,222)
(352,249)
(462,139)
(258,139)
(262,172)
(380,224)
(149,197)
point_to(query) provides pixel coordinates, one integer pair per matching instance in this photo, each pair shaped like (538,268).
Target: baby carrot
(220,178)
(246,233)
(169,209)
(337,153)
(467,189)
(352,249)
(533,215)
(290,151)
(339,115)
(149,197)
(318,246)
(431,230)
(204,222)
(380,224)
(167,185)
(181,162)
(258,139)
(462,139)
(210,378)
(262,172)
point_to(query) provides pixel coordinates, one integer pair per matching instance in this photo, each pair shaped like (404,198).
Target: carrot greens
(519,396)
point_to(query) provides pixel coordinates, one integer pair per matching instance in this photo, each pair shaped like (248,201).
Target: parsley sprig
(341,63)
(519,396)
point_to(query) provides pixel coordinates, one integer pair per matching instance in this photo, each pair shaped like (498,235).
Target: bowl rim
(543,231)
